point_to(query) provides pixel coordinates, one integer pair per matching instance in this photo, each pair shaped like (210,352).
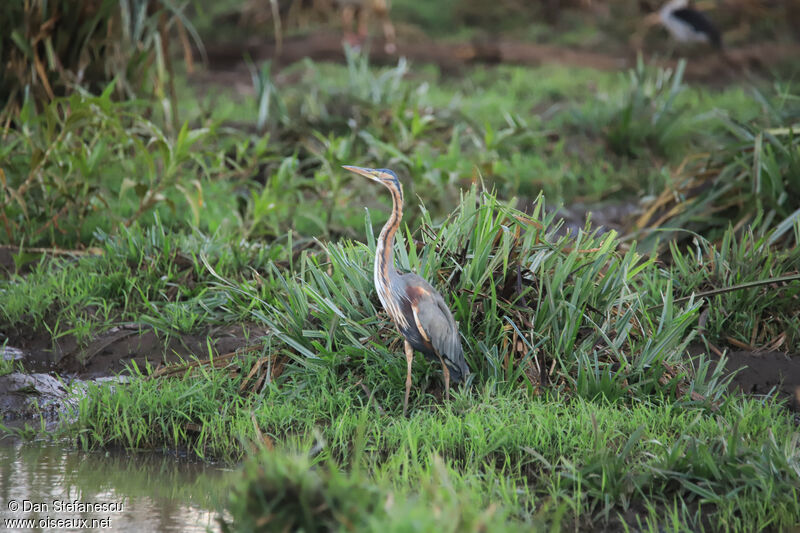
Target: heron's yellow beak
(370,173)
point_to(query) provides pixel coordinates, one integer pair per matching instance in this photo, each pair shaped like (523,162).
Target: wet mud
(54,371)
(452,57)
(762,373)
(54,375)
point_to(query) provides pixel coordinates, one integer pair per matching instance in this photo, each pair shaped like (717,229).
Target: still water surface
(65,489)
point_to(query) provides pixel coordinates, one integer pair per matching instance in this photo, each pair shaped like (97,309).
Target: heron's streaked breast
(389,297)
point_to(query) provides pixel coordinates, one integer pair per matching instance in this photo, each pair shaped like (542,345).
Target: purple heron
(418,311)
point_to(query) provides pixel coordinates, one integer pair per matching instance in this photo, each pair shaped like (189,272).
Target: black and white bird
(688,25)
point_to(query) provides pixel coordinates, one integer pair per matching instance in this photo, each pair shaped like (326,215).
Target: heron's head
(381,175)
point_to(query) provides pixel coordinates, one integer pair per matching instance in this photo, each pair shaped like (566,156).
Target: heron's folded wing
(436,324)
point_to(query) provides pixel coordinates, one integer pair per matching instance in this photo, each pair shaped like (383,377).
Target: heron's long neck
(384,253)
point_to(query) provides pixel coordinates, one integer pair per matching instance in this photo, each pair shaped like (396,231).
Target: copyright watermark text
(36,509)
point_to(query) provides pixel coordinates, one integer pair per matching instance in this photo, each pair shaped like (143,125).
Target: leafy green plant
(753,180)
(535,310)
(86,162)
(761,314)
(365,84)
(289,493)
(648,116)
(52,48)
(145,275)
(269,100)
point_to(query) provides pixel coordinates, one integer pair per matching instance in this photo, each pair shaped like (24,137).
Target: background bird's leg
(446,372)
(348,15)
(409,358)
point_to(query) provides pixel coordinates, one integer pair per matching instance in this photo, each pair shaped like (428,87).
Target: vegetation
(607,365)
(565,465)
(598,395)
(51,49)
(123,166)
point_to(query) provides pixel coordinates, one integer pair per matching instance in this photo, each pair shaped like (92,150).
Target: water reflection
(114,490)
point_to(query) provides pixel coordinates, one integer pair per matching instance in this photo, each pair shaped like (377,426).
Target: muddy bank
(761,373)
(604,216)
(451,57)
(26,395)
(113,351)
(55,372)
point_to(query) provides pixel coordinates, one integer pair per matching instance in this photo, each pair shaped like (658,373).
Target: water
(46,483)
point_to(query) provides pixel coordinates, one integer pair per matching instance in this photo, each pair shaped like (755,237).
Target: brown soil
(12,263)
(327,46)
(7,264)
(112,351)
(50,365)
(765,372)
(757,373)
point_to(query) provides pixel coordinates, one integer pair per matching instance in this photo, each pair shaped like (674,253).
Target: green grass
(585,405)
(7,366)
(752,179)
(611,417)
(572,461)
(86,162)
(760,317)
(246,164)
(595,312)
(146,275)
